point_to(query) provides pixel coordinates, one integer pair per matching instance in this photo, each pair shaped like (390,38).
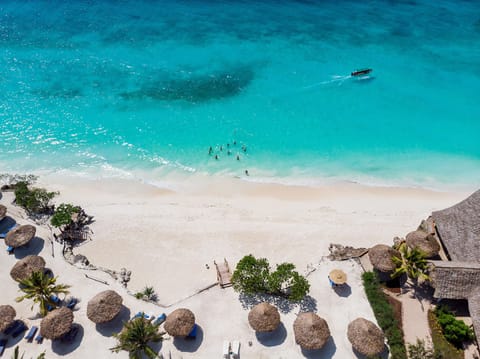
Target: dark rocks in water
(339,252)
(195,89)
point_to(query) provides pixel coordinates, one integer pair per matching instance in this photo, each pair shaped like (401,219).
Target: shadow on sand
(343,290)
(382,355)
(115,325)
(33,248)
(7,223)
(63,347)
(308,304)
(326,352)
(189,345)
(271,339)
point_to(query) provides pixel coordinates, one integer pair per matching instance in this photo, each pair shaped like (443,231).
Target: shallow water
(143,89)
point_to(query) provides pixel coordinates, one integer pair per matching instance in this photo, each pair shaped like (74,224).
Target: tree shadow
(343,290)
(383,355)
(7,223)
(326,352)
(284,305)
(115,325)
(189,345)
(63,347)
(34,247)
(271,339)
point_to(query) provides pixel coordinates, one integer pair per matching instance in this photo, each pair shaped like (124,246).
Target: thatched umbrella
(104,306)
(381,257)
(338,276)
(24,268)
(7,316)
(424,242)
(264,317)
(311,331)
(366,337)
(20,236)
(180,322)
(57,323)
(3,211)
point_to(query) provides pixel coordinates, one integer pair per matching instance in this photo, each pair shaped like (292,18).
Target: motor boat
(361,72)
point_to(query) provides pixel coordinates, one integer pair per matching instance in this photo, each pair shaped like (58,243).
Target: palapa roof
(180,322)
(459,229)
(425,242)
(264,317)
(338,276)
(454,280)
(7,316)
(3,211)
(366,337)
(311,331)
(24,268)
(104,306)
(20,236)
(57,323)
(381,257)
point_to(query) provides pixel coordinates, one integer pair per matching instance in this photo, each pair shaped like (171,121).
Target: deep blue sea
(142,89)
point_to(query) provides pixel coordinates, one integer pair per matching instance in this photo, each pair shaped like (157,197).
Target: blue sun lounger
(3,344)
(160,319)
(39,339)
(55,299)
(72,303)
(143,315)
(31,333)
(193,332)
(19,330)
(10,249)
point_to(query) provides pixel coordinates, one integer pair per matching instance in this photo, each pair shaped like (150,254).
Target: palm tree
(40,288)
(135,336)
(412,263)
(16,354)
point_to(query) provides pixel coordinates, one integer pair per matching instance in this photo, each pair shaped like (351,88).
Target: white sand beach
(166,238)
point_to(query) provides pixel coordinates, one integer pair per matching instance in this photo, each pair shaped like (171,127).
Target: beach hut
(20,236)
(24,268)
(381,258)
(57,323)
(338,277)
(7,316)
(423,241)
(3,211)
(264,317)
(366,337)
(180,322)
(311,331)
(104,306)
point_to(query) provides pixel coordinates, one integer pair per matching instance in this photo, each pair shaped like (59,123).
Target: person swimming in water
(216,157)
(210,150)
(246,173)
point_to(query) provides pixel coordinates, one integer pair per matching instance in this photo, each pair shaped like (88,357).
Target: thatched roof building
(57,323)
(458,228)
(366,337)
(423,241)
(24,268)
(180,322)
(20,236)
(3,211)
(311,331)
(104,306)
(381,257)
(7,316)
(264,317)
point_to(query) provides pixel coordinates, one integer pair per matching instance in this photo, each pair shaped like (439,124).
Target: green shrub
(420,350)
(34,200)
(454,330)
(252,276)
(443,349)
(63,214)
(385,315)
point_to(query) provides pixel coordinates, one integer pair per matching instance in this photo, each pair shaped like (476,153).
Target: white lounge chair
(235,352)
(226,350)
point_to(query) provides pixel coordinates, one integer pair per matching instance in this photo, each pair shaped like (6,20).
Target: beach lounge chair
(235,352)
(160,319)
(31,333)
(10,249)
(39,339)
(3,344)
(55,299)
(12,327)
(72,303)
(226,350)
(193,332)
(20,329)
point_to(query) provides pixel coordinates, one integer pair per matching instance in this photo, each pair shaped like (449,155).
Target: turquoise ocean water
(142,89)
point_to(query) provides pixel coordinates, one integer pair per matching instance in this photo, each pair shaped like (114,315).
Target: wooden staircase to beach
(224,276)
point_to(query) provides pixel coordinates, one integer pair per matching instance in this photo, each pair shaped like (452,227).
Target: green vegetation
(40,288)
(454,330)
(16,354)
(420,350)
(253,276)
(385,315)
(135,338)
(10,180)
(412,263)
(34,200)
(443,349)
(148,294)
(63,214)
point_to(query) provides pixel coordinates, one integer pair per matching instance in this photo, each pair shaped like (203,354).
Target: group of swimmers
(211,152)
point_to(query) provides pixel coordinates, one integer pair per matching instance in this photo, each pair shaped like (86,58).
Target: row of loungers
(15,329)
